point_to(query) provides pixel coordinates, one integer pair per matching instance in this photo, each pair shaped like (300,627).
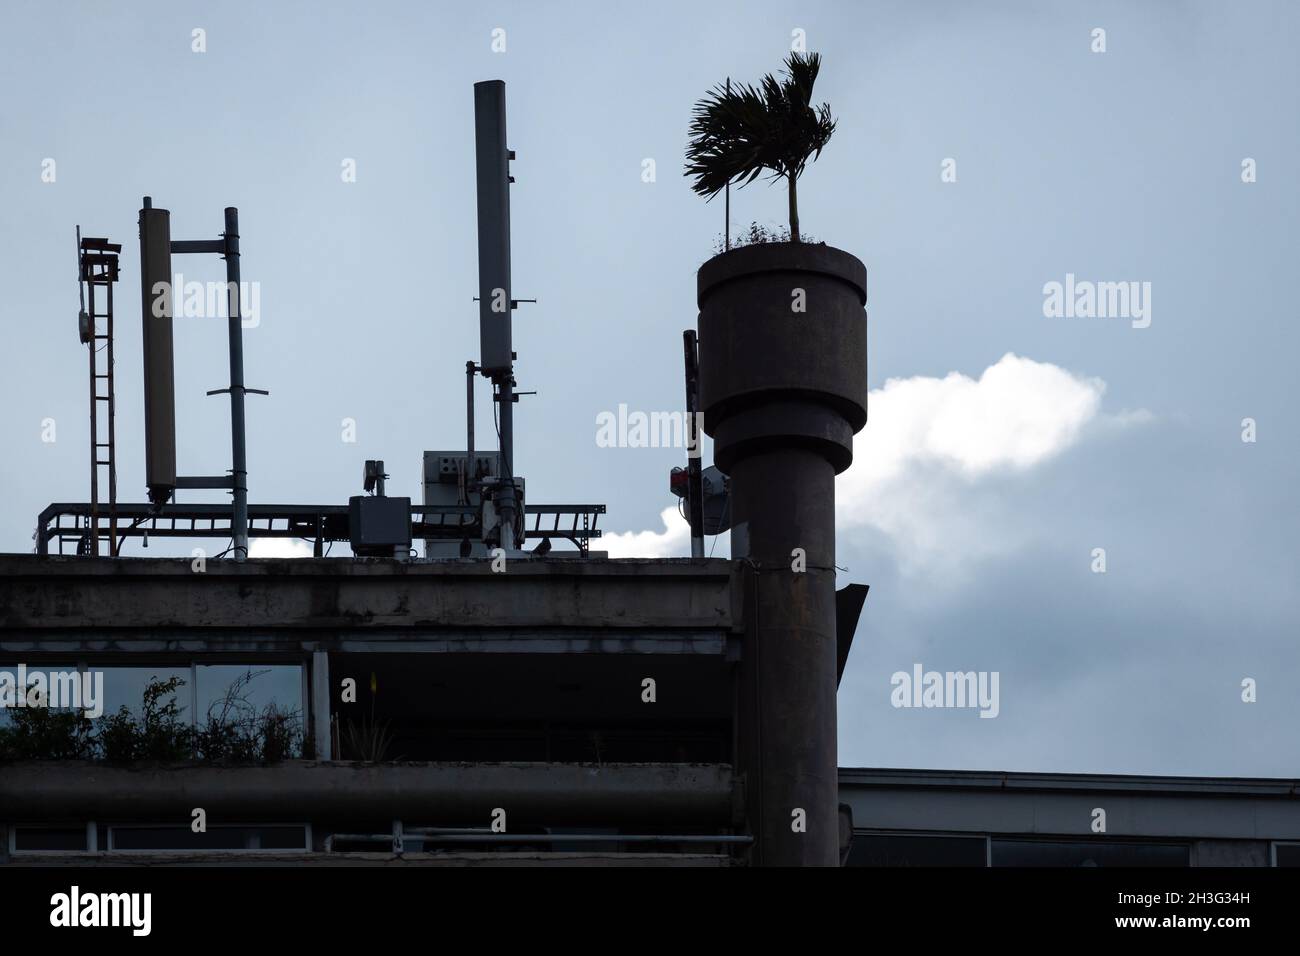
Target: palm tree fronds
(739,133)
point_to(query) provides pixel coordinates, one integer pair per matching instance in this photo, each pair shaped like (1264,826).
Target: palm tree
(739,132)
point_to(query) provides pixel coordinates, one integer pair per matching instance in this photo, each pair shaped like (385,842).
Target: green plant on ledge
(234,731)
(757,234)
(39,733)
(158,734)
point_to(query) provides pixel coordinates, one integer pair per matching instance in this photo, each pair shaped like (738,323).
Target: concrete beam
(1068,812)
(48,594)
(444,858)
(293,643)
(539,793)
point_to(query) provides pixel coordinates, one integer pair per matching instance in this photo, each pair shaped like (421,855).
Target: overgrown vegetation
(757,234)
(234,731)
(367,739)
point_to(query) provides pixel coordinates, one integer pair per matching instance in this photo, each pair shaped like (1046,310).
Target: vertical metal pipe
(726,242)
(469,430)
(694,485)
(94,405)
(112,417)
(506,500)
(239,462)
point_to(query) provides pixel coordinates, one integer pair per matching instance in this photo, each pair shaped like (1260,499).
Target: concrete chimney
(783,382)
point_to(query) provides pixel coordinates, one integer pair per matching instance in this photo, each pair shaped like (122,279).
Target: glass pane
(10,671)
(250,712)
(1288,854)
(875,849)
(125,687)
(248,688)
(40,838)
(58,688)
(216,838)
(1087,853)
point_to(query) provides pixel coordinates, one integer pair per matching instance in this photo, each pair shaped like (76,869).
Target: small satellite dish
(717,500)
(716,494)
(84,328)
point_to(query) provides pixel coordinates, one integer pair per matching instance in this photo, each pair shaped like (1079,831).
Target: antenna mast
(495,305)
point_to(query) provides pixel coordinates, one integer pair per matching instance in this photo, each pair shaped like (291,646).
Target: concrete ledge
(551,793)
(1022,804)
(52,593)
(379,859)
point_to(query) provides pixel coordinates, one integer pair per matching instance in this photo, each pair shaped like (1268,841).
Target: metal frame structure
(158,269)
(97,268)
(319,524)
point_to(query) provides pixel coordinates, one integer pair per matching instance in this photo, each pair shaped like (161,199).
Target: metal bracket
(246,391)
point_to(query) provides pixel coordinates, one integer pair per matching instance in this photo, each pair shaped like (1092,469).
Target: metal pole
(506,501)
(94,415)
(469,429)
(112,416)
(727,224)
(694,485)
(239,463)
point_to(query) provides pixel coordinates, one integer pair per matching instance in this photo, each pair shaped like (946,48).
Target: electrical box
(379,526)
(443,485)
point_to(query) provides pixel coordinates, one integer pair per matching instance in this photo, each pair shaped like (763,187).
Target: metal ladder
(97,270)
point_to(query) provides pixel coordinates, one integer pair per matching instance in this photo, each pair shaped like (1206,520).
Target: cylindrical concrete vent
(783,350)
(783,382)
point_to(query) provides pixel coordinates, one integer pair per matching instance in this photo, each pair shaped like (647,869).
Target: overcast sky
(1004,446)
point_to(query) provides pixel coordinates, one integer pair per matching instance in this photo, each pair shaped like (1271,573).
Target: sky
(983,151)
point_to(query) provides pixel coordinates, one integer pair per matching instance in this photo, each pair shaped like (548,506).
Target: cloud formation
(278,548)
(930,446)
(673,542)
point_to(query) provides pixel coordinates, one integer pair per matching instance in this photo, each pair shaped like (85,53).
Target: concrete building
(488,703)
(967,818)
(519,699)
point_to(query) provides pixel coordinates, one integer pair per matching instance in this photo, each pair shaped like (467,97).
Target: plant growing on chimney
(738,132)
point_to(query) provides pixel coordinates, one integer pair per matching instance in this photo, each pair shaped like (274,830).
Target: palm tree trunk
(794,210)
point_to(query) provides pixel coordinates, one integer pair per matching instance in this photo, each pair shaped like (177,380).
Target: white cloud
(929,447)
(934,446)
(673,542)
(278,548)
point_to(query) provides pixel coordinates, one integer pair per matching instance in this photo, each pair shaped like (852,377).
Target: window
(161,839)
(251,687)
(70,839)
(1286,854)
(125,687)
(1087,853)
(60,683)
(898,849)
